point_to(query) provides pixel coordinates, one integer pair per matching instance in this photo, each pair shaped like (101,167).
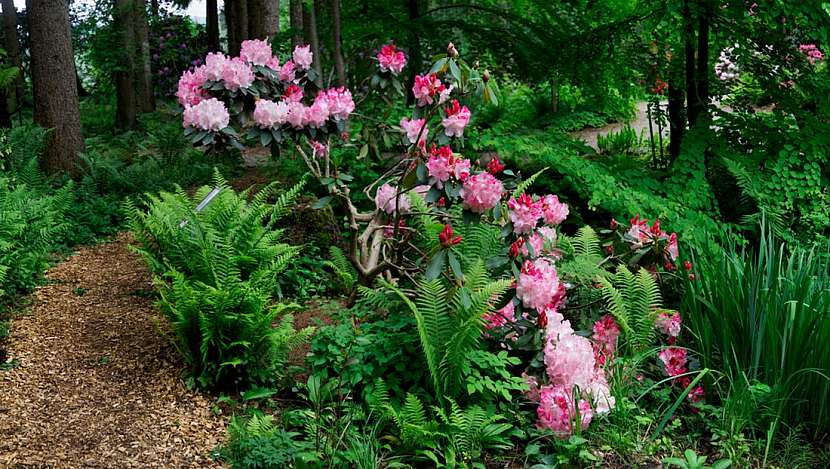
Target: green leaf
(455,266)
(322,202)
(436,265)
(258,393)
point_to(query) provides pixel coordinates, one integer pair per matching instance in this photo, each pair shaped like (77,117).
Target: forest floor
(97,383)
(639,123)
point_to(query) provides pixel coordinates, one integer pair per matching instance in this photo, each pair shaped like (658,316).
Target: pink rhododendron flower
(674,359)
(524,213)
(412,128)
(215,66)
(812,52)
(570,360)
(273,63)
(457,118)
(341,104)
(537,284)
(256,51)
(554,212)
(190,89)
(425,88)
(317,114)
(303,57)
(697,394)
(668,324)
(606,333)
(497,319)
(296,115)
(481,192)
(288,71)
(237,74)
(671,248)
(268,114)
(318,149)
(558,412)
(444,95)
(385,200)
(600,394)
(442,165)
(210,114)
(293,94)
(391,59)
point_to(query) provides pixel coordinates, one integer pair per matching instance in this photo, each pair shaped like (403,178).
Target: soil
(98,384)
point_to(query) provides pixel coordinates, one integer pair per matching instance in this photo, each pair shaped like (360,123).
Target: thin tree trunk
(339,65)
(5,115)
(230,25)
(143,74)
(554,93)
(125,92)
(414,49)
(154,8)
(677,121)
(691,80)
(702,69)
(212,17)
(263,18)
(54,85)
(296,22)
(12,46)
(314,39)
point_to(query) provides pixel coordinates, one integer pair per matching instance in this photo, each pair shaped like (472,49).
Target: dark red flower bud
(687,265)
(614,224)
(447,238)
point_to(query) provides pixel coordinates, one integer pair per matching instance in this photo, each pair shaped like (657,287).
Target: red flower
(516,247)
(614,224)
(542,320)
(659,86)
(495,166)
(687,265)
(446,237)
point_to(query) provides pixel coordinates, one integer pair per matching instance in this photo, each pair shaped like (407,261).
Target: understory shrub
(217,266)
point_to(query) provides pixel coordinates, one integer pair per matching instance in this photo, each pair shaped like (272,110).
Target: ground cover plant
(415,234)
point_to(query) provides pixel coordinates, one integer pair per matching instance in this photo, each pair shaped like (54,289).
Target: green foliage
(624,142)
(583,256)
(693,461)
(256,442)
(342,268)
(633,300)
(764,317)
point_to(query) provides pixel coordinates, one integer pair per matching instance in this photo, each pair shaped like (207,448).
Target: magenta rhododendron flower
(385,200)
(256,51)
(425,88)
(210,114)
(269,115)
(391,59)
(442,165)
(554,212)
(667,323)
(412,128)
(481,192)
(237,74)
(674,360)
(457,118)
(303,57)
(288,71)
(812,52)
(524,213)
(606,332)
(537,284)
(293,94)
(498,318)
(340,101)
(671,248)
(558,412)
(318,149)
(190,89)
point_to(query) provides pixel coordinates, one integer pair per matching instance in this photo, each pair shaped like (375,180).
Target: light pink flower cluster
(558,412)
(214,66)
(426,87)
(303,57)
(442,165)
(524,213)
(457,118)
(668,323)
(340,102)
(385,200)
(256,51)
(554,212)
(209,114)
(287,72)
(812,52)
(481,192)
(391,59)
(269,115)
(237,74)
(537,284)
(412,128)
(190,89)
(725,68)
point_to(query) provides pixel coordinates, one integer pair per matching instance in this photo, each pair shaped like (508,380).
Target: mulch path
(98,383)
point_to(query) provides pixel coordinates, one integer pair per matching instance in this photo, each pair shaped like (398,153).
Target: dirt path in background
(97,384)
(639,123)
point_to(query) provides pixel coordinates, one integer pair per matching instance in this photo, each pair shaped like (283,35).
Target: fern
(584,261)
(634,301)
(342,268)
(525,185)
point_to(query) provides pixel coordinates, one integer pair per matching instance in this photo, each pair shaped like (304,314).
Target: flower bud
(451,50)
(485,76)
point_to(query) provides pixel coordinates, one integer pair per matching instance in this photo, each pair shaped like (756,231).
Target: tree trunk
(212,18)
(53,83)
(554,93)
(314,39)
(5,115)
(702,69)
(236,13)
(414,49)
(296,22)
(263,18)
(691,80)
(677,121)
(339,65)
(125,91)
(12,46)
(230,25)
(154,8)
(143,74)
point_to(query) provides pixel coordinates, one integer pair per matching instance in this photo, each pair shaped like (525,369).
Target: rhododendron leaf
(229,131)
(421,172)
(455,265)
(497,212)
(326,181)
(454,71)
(470,218)
(433,195)
(277,135)
(436,265)
(188,131)
(496,262)
(508,172)
(265,138)
(506,230)
(443,139)
(466,299)
(409,181)
(346,177)
(199,136)
(439,65)
(364,150)
(208,140)
(321,203)
(375,82)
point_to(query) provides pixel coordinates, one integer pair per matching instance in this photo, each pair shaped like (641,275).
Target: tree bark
(296,22)
(237,23)
(677,121)
(314,39)
(142,72)
(691,80)
(414,49)
(263,18)
(339,64)
(124,76)
(230,24)
(12,46)
(212,18)
(154,8)
(702,69)
(53,83)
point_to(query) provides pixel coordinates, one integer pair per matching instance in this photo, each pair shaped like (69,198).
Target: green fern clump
(634,301)
(217,270)
(255,442)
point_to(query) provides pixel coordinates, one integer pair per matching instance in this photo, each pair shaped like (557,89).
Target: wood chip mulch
(98,383)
